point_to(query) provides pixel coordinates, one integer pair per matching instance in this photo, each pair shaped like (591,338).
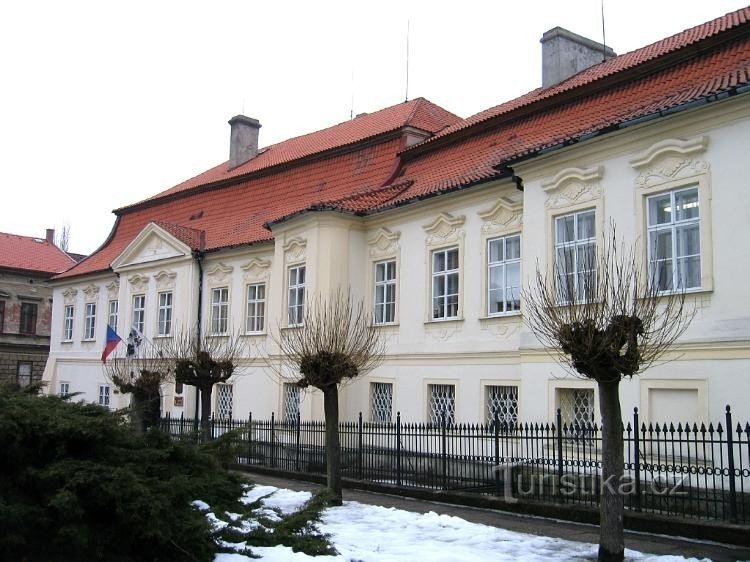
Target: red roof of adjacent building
(351,167)
(32,254)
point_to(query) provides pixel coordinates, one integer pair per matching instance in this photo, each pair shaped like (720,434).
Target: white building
(437,222)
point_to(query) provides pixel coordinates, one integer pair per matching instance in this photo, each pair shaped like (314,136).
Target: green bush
(77,484)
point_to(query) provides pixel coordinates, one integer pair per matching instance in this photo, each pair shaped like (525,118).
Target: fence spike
(671,427)
(719,429)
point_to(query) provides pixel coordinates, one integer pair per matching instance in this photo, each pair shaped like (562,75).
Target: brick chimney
(564,54)
(51,235)
(243,139)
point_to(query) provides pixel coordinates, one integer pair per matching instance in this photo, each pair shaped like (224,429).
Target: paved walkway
(643,542)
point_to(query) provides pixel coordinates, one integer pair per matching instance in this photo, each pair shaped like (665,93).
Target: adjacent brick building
(26,263)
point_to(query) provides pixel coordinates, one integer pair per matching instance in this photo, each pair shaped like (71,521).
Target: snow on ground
(369,533)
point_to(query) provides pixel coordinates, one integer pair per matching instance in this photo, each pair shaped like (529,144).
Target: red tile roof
(32,254)
(709,60)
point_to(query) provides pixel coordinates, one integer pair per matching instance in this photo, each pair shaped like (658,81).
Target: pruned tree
(605,318)
(63,238)
(141,375)
(335,344)
(203,360)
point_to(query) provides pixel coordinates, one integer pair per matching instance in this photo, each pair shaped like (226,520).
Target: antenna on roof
(604,37)
(407,61)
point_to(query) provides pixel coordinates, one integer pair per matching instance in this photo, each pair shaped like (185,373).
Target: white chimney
(564,54)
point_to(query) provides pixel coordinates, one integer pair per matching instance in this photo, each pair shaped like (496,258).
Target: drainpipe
(198,256)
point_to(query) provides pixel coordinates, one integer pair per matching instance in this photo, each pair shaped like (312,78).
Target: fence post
(296,450)
(444,453)
(398,449)
(273,440)
(359,447)
(497,453)
(637,458)
(182,423)
(249,436)
(730,463)
(559,453)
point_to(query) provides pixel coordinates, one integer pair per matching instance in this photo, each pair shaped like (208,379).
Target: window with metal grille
(89,321)
(442,403)
(224,400)
(68,323)
(296,304)
(164,327)
(674,245)
(385,292)
(256,308)
(220,310)
(502,404)
(27,324)
(23,372)
(504,275)
(114,308)
(139,312)
(291,401)
(381,402)
(445,284)
(576,406)
(104,395)
(575,256)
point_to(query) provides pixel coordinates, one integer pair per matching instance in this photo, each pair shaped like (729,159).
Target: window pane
(438,308)
(390,293)
(391,270)
(452,279)
(689,272)
(513,248)
(496,277)
(452,259)
(496,301)
(390,312)
(686,203)
(496,250)
(660,210)
(438,286)
(664,275)
(452,306)
(661,244)
(688,241)
(565,232)
(379,272)
(301,275)
(438,262)
(586,226)
(380,294)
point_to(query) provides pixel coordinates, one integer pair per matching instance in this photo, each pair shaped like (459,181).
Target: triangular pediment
(152,244)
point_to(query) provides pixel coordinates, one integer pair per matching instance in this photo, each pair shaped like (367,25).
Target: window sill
(88,340)
(218,335)
(165,336)
(66,341)
(254,334)
(515,315)
(292,327)
(385,325)
(456,320)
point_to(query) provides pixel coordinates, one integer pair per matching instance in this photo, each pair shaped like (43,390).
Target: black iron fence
(685,470)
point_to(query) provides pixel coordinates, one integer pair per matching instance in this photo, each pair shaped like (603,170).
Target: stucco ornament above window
(113,289)
(669,160)
(138,282)
(69,295)
(572,186)
(256,269)
(505,216)
(445,229)
(383,243)
(165,279)
(219,274)
(295,250)
(91,292)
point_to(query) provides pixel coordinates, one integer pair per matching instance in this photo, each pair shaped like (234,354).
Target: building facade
(26,264)
(438,223)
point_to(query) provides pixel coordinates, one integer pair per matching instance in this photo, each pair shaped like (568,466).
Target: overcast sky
(106,103)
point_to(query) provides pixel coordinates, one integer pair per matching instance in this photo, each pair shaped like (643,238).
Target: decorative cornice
(578,175)
(444,229)
(165,279)
(256,269)
(137,282)
(683,147)
(573,185)
(91,292)
(383,242)
(295,249)
(69,295)
(113,289)
(505,216)
(219,274)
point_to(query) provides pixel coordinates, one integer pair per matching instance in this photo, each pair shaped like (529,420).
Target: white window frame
(89,321)
(488,388)
(672,227)
(23,366)
(290,409)
(431,417)
(220,310)
(114,310)
(68,319)
(104,395)
(374,414)
(503,265)
(384,310)
(255,308)
(577,269)
(64,389)
(221,412)
(165,308)
(445,274)
(139,312)
(296,295)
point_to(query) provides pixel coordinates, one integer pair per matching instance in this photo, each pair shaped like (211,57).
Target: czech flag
(112,340)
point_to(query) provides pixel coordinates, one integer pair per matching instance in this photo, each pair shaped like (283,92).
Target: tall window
(385,292)
(114,307)
(220,310)
(504,275)
(68,322)
(502,404)
(291,402)
(104,395)
(164,327)
(674,246)
(442,403)
(381,402)
(224,400)
(575,256)
(2,316)
(23,372)
(256,308)
(89,321)
(445,284)
(139,312)
(296,303)
(28,318)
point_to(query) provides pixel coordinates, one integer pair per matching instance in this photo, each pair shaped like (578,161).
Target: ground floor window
(291,403)
(442,403)
(576,406)
(104,395)
(381,402)
(224,400)
(502,404)
(23,373)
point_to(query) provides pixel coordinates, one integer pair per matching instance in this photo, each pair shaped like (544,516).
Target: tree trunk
(206,392)
(136,413)
(611,508)
(333,445)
